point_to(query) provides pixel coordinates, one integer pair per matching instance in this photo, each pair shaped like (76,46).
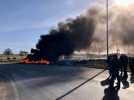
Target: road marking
(59,98)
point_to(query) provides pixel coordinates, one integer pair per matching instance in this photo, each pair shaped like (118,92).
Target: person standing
(109,65)
(131,66)
(124,66)
(114,70)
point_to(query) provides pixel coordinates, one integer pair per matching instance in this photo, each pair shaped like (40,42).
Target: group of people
(117,67)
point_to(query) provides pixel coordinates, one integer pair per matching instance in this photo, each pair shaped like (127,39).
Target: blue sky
(23,21)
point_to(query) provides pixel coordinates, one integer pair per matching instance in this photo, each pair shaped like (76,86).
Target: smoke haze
(69,36)
(121,28)
(88,32)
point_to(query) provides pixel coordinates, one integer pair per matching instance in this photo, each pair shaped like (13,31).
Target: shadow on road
(111,94)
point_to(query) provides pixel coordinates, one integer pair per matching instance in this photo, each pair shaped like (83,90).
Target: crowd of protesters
(117,66)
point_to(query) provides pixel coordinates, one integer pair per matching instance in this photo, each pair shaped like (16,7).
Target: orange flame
(27,61)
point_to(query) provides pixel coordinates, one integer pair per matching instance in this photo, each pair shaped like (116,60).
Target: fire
(27,61)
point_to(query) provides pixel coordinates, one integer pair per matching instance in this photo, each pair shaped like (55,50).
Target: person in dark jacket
(124,64)
(131,65)
(108,67)
(114,70)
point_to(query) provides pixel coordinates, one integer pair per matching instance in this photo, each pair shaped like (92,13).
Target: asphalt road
(44,82)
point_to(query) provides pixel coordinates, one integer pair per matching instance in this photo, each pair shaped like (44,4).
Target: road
(44,82)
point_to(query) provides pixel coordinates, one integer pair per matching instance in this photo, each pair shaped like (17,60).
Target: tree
(8,51)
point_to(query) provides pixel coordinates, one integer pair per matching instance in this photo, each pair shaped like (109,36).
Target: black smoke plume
(74,34)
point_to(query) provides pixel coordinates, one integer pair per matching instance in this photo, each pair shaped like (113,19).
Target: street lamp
(107,27)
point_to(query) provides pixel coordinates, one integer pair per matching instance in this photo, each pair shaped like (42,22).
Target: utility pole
(107,27)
